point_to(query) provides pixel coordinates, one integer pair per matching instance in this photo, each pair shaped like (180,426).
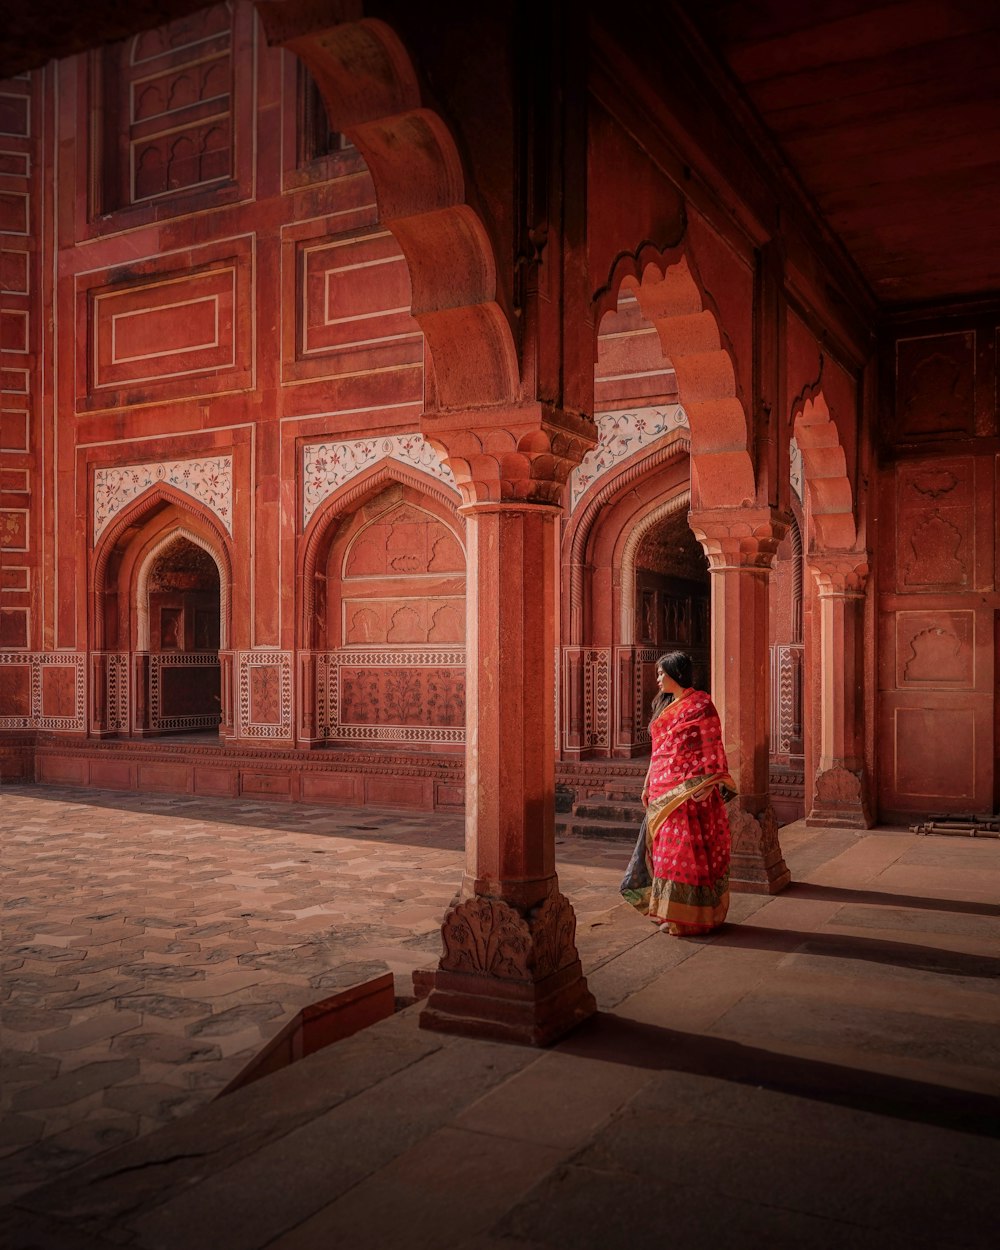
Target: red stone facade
(355,421)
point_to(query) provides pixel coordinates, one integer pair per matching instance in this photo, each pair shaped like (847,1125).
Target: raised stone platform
(413,779)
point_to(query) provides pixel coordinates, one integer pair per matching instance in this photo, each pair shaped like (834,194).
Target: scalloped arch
(831,500)
(672,298)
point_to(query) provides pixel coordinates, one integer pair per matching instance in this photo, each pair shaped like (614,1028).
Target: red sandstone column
(741,544)
(840,795)
(509,967)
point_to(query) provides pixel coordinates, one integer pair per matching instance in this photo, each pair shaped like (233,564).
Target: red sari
(687,829)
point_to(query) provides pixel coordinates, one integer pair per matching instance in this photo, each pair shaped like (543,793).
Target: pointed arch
(370,89)
(147,561)
(676,503)
(127,526)
(593,502)
(323,525)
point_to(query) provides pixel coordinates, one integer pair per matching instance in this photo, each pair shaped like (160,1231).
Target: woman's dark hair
(678,665)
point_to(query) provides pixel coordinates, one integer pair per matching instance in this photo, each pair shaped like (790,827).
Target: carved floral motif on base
(489,937)
(265,694)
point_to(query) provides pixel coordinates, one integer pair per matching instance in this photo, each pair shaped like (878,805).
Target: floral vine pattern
(209,481)
(327,466)
(795,469)
(620,435)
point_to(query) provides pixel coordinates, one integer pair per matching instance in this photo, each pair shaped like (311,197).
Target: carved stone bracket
(739,538)
(509,973)
(511,455)
(758,866)
(840,800)
(843,573)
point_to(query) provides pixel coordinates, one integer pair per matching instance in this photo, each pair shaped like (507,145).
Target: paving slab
(821,1072)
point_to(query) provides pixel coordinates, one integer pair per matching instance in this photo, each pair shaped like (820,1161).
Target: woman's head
(678,667)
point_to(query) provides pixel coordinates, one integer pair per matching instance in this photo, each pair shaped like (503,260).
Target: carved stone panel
(391,695)
(935,650)
(935,754)
(265,694)
(935,525)
(935,385)
(404,543)
(15,695)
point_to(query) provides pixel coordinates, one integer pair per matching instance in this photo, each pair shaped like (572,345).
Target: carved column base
(757,866)
(509,976)
(839,801)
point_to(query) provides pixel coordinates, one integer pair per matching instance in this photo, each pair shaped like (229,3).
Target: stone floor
(153,944)
(823,1072)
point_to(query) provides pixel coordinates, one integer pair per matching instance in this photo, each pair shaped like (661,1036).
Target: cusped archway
(384,614)
(138,682)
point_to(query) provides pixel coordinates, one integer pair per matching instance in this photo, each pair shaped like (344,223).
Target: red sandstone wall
(939,576)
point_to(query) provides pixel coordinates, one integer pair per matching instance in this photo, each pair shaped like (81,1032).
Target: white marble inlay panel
(622,434)
(210,481)
(327,466)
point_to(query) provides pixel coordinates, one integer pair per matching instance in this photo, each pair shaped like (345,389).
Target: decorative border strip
(786,669)
(327,466)
(117,691)
(328,682)
(247,660)
(210,481)
(597,696)
(35,661)
(643,655)
(620,435)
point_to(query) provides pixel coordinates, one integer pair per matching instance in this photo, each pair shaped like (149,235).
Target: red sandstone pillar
(309,729)
(840,798)
(99,692)
(741,544)
(509,967)
(142,709)
(227,727)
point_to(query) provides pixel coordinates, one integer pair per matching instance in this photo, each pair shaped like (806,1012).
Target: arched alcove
(387,617)
(161,540)
(178,631)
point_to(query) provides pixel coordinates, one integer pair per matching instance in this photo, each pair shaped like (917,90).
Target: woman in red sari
(679,875)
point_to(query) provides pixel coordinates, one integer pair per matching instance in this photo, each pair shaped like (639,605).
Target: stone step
(620,831)
(621,813)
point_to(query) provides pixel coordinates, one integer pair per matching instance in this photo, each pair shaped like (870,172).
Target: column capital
(840,573)
(739,538)
(513,454)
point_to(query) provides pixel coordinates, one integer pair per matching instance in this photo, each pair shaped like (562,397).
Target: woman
(679,873)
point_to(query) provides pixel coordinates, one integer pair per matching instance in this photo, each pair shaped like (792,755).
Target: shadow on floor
(839,894)
(845,946)
(617,1039)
